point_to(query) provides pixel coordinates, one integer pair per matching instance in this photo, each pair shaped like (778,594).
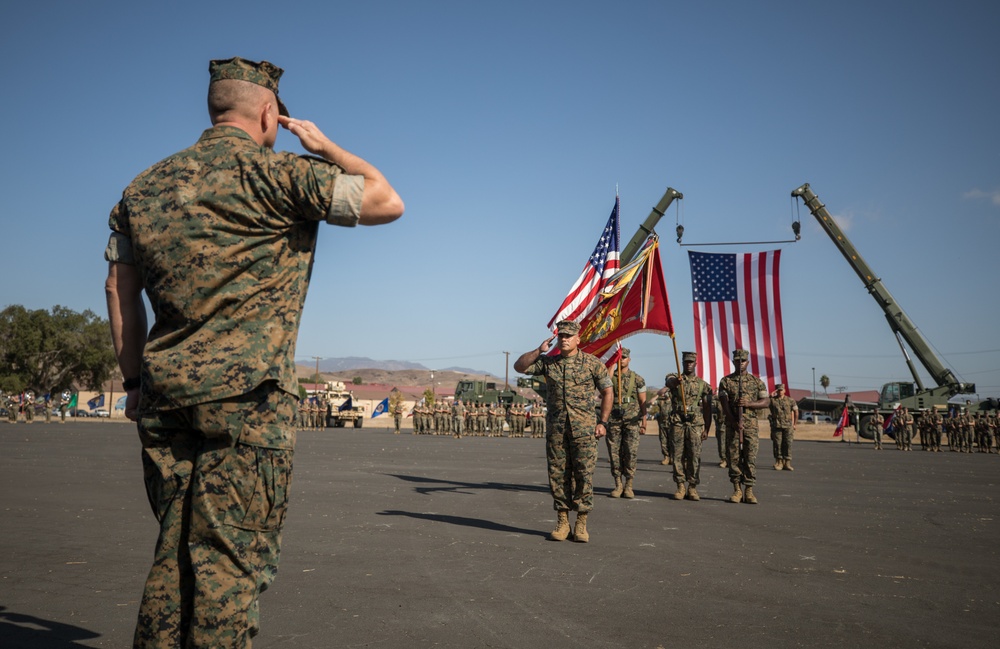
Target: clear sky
(506,128)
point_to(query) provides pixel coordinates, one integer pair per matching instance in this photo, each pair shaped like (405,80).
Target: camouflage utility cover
(223,234)
(571,382)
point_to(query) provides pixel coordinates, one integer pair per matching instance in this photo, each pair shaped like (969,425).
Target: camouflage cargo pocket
(259,479)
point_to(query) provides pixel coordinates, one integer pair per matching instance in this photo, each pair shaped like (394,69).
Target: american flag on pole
(603,263)
(737,305)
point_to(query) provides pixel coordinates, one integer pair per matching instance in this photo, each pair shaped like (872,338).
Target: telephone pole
(506,372)
(316,358)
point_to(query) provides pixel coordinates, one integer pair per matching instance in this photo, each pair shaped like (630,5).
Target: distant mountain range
(344,364)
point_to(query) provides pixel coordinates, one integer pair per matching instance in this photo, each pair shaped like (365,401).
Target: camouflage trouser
(904,437)
(571,462)
(397,420)
(456,425)
(782,439)
(743,462)
(623,446)
(221,504)
(720,437)
(666,439)
(687,453)
(935,438)
(876,433)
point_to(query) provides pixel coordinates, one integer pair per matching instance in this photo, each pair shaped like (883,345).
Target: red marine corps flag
(845,418)
(634,300)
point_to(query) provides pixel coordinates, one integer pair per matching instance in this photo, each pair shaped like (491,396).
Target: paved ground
(403,541)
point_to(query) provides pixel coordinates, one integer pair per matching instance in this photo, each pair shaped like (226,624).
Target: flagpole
(680,381)
(619,381)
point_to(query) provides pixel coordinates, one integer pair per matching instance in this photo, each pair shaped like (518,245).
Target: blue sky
(506,128)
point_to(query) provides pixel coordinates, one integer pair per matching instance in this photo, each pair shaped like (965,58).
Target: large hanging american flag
(737,305)
(603,263)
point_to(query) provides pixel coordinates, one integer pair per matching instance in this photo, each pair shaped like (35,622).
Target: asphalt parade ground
(427,541)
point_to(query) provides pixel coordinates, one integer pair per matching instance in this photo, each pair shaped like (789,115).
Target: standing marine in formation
(690,422)
(571,379)
(628,421)
(742,396)
(784,414)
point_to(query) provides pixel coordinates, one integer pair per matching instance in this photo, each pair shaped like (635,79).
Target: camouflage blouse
(753,388)
(571,382)
(223,235)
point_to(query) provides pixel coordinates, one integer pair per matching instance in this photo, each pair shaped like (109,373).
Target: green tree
(395,399)
(429,396)
(52,351)
(824,382)
(357,380)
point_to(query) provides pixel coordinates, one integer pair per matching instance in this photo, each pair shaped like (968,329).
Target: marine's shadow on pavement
(19,631)
(466,522)
(456,486)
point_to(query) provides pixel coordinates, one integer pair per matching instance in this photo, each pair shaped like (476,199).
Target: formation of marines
(474,419)
(312,413)
(962,431)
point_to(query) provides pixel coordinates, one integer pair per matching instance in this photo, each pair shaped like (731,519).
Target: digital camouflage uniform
(663,426)
(934,423)
(458,418)
(903,424)
(223,235)
(623,430)
(570,442)
(783,412)
(719,419)
(687,425)
(397,417)
(875,423)
(743,461)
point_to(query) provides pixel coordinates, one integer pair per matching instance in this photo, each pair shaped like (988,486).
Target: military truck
(340,408)
(486,392)
(909,394)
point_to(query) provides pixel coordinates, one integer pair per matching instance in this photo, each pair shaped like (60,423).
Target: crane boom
(899,322)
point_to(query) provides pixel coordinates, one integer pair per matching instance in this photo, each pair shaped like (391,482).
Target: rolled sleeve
(345,207)
(119,249)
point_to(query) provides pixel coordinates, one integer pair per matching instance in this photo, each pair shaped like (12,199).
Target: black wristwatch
(131,384)
(603,423)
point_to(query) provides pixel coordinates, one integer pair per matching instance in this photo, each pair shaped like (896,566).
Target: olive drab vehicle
(485,392)
(340,408)
(908,394)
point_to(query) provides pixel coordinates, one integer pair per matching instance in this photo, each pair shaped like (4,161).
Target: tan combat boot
(628,493)
(693,494)
(561,533)
(681,491)
(737,494)
(778,465)
(788,465)
(617,491)
(723,464)
(748,496)
(665,460)
(580,534)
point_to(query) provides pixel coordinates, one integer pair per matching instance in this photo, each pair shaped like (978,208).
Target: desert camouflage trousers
(781,442)
(687,453)
(623,446)
(743,462)
(217,476)
(571,461)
